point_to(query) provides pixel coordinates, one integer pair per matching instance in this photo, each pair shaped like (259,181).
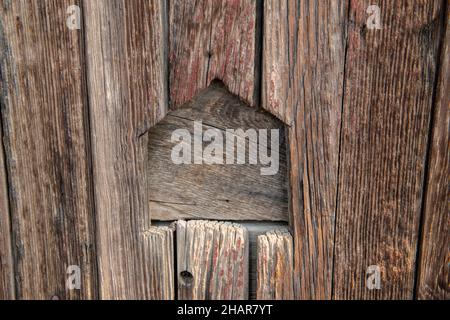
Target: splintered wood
(159,260)
(275,266)
(212,261)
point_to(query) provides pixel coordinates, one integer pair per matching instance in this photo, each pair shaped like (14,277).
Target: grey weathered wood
(212,260)
(434,260)
(45,134)
(275,262)
(303,75)
(214,40)
(219,192)
(6,260)
(159,257)
(390,77)
(128,94)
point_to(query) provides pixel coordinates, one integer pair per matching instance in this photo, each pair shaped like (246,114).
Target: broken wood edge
(275,266)
(225,248)
(158,255)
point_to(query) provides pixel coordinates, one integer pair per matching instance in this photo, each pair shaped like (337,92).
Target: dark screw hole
(186,278)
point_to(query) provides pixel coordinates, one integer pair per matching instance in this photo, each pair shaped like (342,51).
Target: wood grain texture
(127,89)
(256,229)
(6,259)
(158,245)
(213,40)
(303,74)
(44,115)
(275,263)
(212,260)
(216,191)
(434,261)
(390,76)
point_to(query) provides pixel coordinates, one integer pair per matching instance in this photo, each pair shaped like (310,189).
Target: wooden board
(217,191)
(45,129)
(214,40)
(158,246)
(6,260)
(275,266)
(434,259)
(212,260)
(126,99)
(303,74)
(254,229)
(390,77)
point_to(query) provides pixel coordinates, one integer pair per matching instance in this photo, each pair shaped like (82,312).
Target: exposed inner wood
(212,260)
(218,191)
(159,257)
(275,266)
(254,229)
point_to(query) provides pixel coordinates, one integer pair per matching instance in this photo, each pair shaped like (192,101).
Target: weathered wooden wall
(367,113)
(126,73)
(44,111)
(359,102)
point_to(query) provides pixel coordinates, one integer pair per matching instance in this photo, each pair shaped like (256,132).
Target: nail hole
(186,278)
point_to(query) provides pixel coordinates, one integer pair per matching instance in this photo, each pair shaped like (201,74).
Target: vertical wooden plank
(127,90)
(303,73)
(6,260)
(213,40)
(275,266)
(212,259)
(44,115)
(434,261)
(159,260)
(256,229)
(390,76)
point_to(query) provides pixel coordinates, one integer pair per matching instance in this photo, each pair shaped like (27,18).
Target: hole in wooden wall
(187,278)
(234,192)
